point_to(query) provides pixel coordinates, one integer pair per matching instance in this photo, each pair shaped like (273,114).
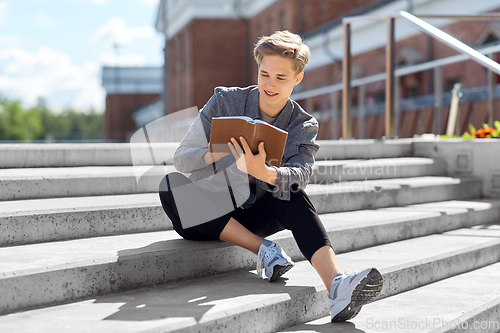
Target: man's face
(277,78)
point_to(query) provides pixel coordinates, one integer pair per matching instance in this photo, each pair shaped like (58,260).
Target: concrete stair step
(369,194)
(352,170)
(38,274)
(37,183)
(84,154)
(239,302)
(99,154)
(46,220)
(468,302)
(41,220)
(364,149)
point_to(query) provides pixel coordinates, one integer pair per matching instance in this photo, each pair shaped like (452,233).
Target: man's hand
(254,165)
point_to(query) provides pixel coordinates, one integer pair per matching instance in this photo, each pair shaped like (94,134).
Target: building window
(270,26)
(258,30)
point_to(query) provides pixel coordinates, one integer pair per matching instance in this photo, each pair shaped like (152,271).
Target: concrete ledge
(83,154)
(478,157)
(347,196)
(45,220)
(239,302)
(22,184)
(40,274)
(364,149)
(385,168)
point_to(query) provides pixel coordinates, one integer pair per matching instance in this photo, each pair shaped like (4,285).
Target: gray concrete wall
(478,157)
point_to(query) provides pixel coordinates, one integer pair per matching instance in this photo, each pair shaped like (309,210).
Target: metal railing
(389,76)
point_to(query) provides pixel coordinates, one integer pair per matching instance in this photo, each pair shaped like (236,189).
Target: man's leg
(348,291)
(325,263)
(237,234)
(298,215)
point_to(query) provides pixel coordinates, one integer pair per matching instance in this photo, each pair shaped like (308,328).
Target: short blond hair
(284,44)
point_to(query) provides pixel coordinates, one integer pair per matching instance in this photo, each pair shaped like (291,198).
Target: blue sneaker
(273,260)
(351,290)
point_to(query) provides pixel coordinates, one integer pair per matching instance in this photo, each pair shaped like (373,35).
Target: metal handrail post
(389,82)
(334,115)
(346,81)
(491,78)
(438,99)
(361,114)
(397,107)
(454,108)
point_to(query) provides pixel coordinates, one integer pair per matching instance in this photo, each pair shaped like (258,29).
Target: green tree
(17,124)
(39,123)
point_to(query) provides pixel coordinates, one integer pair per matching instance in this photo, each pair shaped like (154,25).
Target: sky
(55,49)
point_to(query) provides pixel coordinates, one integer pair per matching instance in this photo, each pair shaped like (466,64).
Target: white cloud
(4,7)
(115,31)
(42,20)
(50,74)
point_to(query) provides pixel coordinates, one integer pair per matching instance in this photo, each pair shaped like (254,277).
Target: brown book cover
(254,131)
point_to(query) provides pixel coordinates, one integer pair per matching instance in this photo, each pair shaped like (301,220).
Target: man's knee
(297,197)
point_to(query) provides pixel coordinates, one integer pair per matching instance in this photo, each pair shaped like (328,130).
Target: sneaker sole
(278,271)
(366,290)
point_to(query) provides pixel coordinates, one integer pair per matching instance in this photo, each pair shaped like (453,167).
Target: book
(254,131)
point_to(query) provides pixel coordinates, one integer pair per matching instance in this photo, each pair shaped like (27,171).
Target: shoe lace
(265,255)
(338,280)
(349,273)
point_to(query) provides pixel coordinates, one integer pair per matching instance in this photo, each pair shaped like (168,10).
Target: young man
(278,200)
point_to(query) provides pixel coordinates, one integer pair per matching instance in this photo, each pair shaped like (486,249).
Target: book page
(251,121)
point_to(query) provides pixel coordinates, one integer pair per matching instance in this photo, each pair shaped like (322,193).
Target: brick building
(128,89)
(209,43)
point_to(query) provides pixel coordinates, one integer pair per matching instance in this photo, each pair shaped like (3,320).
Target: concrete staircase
(85,248)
